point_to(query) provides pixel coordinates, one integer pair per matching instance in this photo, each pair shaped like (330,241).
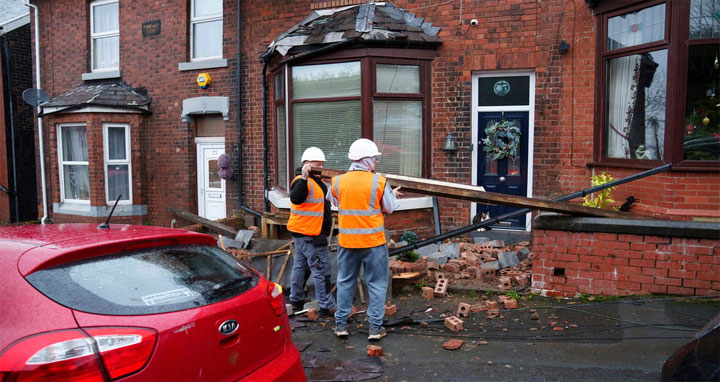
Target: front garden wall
(614,257)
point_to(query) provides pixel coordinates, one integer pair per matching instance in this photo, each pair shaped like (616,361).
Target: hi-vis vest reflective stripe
(361,223)
(307,218)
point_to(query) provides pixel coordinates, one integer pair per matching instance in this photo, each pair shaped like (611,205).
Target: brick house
(18,199)
(587,83)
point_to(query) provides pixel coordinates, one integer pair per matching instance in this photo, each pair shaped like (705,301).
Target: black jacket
(298,194)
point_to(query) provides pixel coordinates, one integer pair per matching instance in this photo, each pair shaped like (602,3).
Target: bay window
(659,79)
(73,161)
(118,179)
(330,105)
(105,35)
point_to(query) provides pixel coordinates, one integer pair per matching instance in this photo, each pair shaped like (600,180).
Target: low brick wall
(621,257)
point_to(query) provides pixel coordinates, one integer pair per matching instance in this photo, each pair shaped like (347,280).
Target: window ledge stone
(204,64)
(78,209)
(101,75)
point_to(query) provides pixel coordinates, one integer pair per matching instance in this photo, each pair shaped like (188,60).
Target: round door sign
(501,88)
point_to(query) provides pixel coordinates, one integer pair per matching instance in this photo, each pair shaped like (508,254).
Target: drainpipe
(6,48)
(39,119)
(241,202)
(265,133)
(241,199)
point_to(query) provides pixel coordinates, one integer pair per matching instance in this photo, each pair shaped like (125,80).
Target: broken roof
(114,94)
(368,23)
(13,14)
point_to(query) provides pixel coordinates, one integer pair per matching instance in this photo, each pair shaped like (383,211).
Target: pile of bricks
(491,262)
(491,307)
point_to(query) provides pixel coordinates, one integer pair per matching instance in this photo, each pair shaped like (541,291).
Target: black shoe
(297,305)
(327,312)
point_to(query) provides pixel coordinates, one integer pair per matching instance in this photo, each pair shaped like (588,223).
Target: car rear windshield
(154,280)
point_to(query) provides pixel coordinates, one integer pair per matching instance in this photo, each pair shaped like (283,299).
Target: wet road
(620,340)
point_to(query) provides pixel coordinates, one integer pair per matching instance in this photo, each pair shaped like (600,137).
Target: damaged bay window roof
(367,23)
(111,96)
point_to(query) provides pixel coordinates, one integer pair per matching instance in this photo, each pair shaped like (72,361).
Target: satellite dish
(35,97)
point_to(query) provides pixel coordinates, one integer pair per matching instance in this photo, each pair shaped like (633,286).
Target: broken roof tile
(365,22)
(112,93)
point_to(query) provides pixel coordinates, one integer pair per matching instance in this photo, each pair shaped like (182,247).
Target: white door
(211,188)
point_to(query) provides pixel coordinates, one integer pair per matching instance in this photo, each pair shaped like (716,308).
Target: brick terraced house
(18,199)
(591,86)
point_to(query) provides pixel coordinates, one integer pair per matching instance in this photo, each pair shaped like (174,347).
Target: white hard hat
(313,154)
(363,148)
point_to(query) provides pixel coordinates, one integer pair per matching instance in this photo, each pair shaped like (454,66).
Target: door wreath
(502,139)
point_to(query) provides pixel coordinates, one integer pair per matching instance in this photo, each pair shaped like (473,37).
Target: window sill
(204,64)
(99,211)
(101,75)
(646,166)
(280,199)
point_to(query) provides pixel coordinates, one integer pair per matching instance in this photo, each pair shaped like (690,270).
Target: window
(164,279)
(73,158)
(206,29)
(644,60)
(118,178)
(281,136)
(105,35)
(332,104)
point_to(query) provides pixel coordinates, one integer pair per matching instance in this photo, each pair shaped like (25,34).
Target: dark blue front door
(507,175)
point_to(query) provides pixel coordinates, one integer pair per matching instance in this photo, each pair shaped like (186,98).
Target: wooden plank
(284,264)
(209,224)
(479,195)
(406,275)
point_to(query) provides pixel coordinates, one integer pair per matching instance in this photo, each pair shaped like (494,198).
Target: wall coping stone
(672,228)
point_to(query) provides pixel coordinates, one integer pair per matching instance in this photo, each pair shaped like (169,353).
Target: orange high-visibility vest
(306,218)
(361,222)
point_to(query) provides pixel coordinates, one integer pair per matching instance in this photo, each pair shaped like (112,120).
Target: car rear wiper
(220,288)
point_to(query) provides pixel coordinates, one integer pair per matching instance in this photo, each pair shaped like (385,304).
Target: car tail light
(72,355)
(276,299)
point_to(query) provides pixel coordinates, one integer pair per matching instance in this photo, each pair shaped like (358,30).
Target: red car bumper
(286,367)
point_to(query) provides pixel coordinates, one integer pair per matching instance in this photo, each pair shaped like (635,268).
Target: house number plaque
(151,28)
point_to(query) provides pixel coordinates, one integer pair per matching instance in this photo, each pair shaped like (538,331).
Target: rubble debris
(374,351)
(482,342)
(390,309)
(428,292)
(511,303)
(312,314)
(463,310)
(453,344)
(454,324)
(441,288)
(505,283)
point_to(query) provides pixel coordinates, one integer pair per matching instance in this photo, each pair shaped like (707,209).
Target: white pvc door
(211,188)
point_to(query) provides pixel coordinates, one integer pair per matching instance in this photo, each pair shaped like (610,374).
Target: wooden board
(406,275)
(209,224)
(479,195)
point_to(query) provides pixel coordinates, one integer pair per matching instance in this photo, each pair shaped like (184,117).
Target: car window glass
(147,281)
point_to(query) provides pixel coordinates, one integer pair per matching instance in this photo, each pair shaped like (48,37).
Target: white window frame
(110,162)
(197,20)
(62,163)
(94,36)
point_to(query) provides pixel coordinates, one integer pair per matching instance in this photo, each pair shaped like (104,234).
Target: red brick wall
(513,35)
(620,264)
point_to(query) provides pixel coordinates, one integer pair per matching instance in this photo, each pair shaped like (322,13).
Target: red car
(136,303)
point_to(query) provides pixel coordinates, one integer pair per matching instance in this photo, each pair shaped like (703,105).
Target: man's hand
(397,192)
(306,170)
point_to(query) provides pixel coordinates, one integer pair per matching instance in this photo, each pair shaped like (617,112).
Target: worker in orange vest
(310,223)
(362,197)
